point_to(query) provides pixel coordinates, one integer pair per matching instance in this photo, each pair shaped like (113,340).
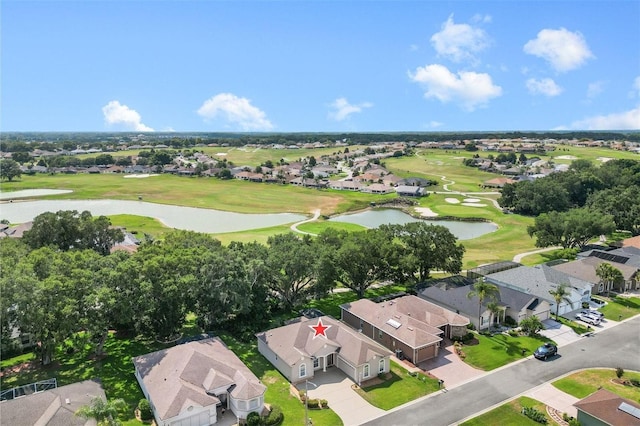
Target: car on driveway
(545,351)
(593,312)
(589,318)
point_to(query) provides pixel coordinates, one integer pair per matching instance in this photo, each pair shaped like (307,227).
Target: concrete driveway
(563,335)
(334,386)
(449,367)
(555,398)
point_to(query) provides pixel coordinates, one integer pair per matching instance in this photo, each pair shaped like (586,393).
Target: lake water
(187,218)
(377,217)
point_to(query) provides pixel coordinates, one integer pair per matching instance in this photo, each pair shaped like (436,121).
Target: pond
(187,218)
(377,217)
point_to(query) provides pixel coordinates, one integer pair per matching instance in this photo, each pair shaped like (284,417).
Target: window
(379,334)
(365,371)
(303,370)
(316,363)
(381,366)
(253,404)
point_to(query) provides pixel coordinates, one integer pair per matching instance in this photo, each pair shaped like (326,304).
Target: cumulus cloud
(117,114)
(341,109)
(545,86)
(563,49)
(459,42)
(627,120)
(235,110)
(468,89)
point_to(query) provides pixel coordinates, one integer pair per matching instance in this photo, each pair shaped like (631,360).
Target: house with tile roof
(55,406)
(298,350)
(605,408)
(193,383)
(410,326)
(539,280)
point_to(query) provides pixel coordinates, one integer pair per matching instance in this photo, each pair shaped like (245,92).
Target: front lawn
(510,414)
(495,351)
(621,308)
(584,383)
(399,389)
(575,326)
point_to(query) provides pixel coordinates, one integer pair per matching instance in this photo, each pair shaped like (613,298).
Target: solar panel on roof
(610,257)
(629,409)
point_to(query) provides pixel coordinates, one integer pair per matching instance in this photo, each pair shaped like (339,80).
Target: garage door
(198,419)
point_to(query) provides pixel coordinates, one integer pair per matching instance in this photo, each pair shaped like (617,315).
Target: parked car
(545,351)
(593,312)
(589,319)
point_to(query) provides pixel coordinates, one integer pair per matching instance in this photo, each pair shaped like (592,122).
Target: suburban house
(303,347)
(513,303)
(585,268)
(605,408)
(629,256)
(55,406)
(540,280)
(194,383)
(410,326)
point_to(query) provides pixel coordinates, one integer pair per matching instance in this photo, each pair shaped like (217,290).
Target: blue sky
(320,66)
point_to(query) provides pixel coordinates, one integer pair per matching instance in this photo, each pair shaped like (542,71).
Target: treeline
(52,291)
(613,190)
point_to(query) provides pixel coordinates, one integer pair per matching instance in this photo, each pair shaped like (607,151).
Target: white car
(588,318)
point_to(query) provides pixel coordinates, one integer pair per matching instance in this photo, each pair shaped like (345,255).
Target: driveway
(555,398)
(449,367)
(334,386)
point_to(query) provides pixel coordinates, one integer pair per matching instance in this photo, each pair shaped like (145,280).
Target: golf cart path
(294,227)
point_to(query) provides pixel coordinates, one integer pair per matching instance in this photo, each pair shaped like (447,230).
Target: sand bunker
(140,176)
(604,159)
(471,200)
(222,154)
(452,200)
(566,157)
(426,212)
(474,204)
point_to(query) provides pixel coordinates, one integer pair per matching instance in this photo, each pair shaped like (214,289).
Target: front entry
(330,360)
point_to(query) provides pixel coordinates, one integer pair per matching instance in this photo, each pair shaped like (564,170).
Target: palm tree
(483,290)
(609,275)
(495,310)
(105,412)
(559,294)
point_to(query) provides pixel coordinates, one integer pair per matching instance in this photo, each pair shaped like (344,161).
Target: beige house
(299,350)
(586,267)
(193,383)
(410,326)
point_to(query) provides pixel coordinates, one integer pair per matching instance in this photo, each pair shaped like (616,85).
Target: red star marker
(320,329)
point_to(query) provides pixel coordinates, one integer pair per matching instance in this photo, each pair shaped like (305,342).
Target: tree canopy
(571,229)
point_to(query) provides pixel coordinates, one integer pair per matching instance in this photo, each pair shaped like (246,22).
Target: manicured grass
(140,225)
(621,308)
(575,326)
(401,387)
(320,226)
(584,383)
(278,388)
(510,414)
(495,351)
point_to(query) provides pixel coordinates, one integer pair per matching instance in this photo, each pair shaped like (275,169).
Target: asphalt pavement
(615,347)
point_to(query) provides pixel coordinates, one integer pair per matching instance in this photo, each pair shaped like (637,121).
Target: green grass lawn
(401,387)
(579,328)
(584,383)
(330,305)
(495,351)
(510,414)
(621,308)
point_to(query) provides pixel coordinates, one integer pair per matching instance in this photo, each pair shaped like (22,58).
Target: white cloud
(594,89)
(636,87)
(433,124)
(481,18)
(459,42)
(117,114)
(468,89)
(563,49)
(235,110)
(627,120)
(545,86)
(341,109)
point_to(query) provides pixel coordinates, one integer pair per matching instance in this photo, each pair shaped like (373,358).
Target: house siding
(280,365)
(588,420)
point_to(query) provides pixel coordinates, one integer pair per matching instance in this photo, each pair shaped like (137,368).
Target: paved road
(617,346)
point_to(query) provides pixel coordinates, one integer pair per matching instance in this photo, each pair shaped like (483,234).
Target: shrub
(464,339)
(275,416)
(510,322)
(574,422)
(513,333)
(253,419)
(324,403)
(535,415)
(531,325)
(145,410)
(619,372)
(313,403)
(635,383)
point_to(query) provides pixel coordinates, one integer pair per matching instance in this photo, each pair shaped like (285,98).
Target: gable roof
(586,268)
(292,341)
(606,406)
(188,374)
(632,242)
(418,320)
(51,407)
(539,280)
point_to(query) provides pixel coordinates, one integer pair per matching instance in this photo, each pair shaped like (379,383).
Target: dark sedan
(545,351)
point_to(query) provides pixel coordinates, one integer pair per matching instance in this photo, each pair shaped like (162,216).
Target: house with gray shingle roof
(586,269)
(539,280)
(408,325)
(194,382)
(298,351)
(603,408)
